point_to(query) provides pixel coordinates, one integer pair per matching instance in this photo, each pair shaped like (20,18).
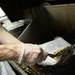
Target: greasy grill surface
(59,69)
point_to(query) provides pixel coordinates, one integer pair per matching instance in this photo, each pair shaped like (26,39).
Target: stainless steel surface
(5,69)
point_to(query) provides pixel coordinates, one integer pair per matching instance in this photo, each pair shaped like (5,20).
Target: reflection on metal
(29,23)
(2,15)
(5,69)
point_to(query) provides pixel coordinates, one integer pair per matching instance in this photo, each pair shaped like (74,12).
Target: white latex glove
(24,53)
(32,54)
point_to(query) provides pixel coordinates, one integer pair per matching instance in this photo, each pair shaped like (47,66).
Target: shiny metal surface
(5,69)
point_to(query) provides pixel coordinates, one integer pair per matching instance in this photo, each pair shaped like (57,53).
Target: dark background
(14,9)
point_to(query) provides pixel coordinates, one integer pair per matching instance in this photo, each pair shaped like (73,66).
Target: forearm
(8,53)
(22,53)
(6,37)
(13,49)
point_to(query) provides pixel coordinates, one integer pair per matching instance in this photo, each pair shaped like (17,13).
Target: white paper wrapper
(53,47)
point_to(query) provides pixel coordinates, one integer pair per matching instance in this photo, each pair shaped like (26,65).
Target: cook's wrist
(20,52)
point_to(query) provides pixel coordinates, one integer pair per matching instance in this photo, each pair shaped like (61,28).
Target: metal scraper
(53,47)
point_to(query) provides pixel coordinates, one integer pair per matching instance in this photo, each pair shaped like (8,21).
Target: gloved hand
(31,54)
(25,53)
